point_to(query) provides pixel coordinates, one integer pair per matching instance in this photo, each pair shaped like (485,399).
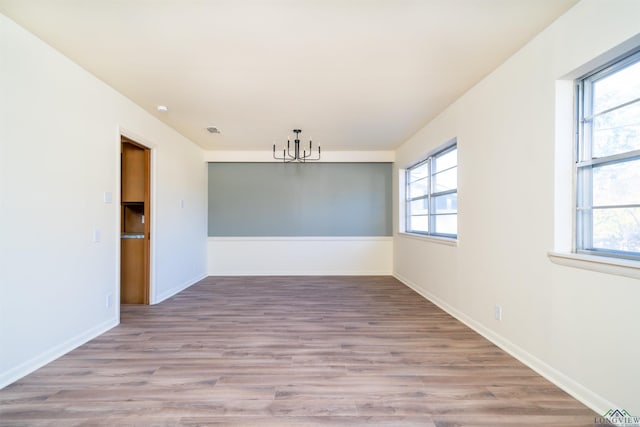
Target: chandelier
(295,155)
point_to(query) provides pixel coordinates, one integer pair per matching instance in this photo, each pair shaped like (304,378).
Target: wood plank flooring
(289,351)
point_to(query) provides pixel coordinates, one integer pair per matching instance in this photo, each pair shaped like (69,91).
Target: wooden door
(135,223)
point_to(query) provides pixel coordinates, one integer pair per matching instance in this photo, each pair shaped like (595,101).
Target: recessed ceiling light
(213,129)
(163,108)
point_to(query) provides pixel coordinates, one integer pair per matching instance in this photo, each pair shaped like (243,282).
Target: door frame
(146,144)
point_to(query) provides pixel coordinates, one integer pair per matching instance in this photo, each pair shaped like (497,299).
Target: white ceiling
(353,74)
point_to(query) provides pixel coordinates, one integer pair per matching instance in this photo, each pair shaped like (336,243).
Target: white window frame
(585,162)
(429,160)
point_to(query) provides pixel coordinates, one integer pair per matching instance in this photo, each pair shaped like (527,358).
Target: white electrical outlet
(497,312)
(108,197)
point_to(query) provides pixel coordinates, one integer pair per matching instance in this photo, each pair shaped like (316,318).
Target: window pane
(419,207)
(419,188)
(446,224)
(447,180)
(446,160)
(617,184)
(617,131)
(419,172)
(419,224)
(446,204)
(618,88)
(617,229)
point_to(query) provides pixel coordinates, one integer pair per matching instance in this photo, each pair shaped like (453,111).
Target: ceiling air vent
(213,129)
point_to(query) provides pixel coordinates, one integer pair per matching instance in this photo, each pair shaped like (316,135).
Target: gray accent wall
(292,199)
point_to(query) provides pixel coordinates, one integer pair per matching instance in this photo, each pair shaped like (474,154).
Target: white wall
(578,327)
(59,153)
(239,256)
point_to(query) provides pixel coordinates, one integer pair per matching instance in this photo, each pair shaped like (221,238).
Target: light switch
(182,203)
(96,235)
(108,197)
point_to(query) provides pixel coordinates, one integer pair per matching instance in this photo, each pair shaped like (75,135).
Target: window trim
(584,162)
(601,264)
(431,195)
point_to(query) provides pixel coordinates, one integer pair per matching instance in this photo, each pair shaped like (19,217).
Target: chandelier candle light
(295,156)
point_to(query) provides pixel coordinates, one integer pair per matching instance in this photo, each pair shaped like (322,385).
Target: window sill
(435,239)
(619,267)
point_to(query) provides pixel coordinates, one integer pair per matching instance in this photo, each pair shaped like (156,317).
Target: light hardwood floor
(289,351)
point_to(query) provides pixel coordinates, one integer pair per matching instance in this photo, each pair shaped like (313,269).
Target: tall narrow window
(431,204)
(608,160)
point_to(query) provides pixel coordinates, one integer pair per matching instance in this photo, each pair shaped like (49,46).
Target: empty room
(299,213)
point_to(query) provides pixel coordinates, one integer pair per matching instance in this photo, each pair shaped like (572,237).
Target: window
(431,204)
(608,160)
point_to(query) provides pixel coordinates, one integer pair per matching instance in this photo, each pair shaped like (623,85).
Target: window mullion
(584,208)
(589,117)
(614,158)
(418,198)
(444,193)
(407,204)
(432,217)
(587,125)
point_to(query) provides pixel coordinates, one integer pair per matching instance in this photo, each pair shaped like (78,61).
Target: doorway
(135,219)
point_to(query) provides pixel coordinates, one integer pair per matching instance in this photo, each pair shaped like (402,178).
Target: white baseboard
(581,393)
(52,354)
(305,273)
(176,289)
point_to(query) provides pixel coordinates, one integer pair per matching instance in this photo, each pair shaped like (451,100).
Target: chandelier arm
(285,156)
(274,153)
(289,155)
(308,156)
